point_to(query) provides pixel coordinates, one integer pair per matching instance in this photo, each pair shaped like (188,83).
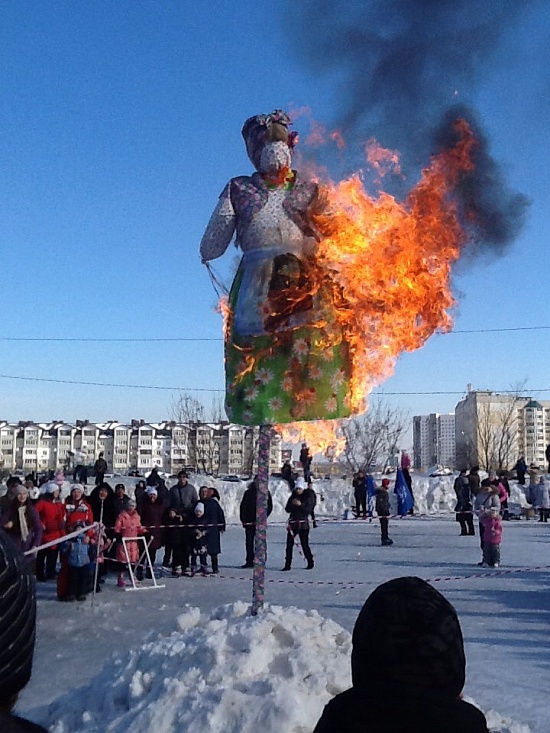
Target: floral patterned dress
(285,358)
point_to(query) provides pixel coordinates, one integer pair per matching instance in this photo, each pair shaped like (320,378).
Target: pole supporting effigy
(260,536)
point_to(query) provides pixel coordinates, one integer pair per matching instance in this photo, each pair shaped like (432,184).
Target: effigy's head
(269,142)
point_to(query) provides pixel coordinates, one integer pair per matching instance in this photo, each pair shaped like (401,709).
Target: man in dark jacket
(299,507)
(18,624)
(382,499)
(247,514)
(359,484)
(408,667)
(463,509)
(100,468)
(183,496)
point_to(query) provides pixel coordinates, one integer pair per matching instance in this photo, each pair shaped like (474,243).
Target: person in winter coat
(463,506)
(183,496)
(247,515)
(77,551)
(408,667)
(100,468)
(306,459)
(51,512)
(139,493)
(534,473)
(486,499)
(299,508)
(12,485)
(503,480)
(121,499)
(382,499)
(152,516)
(104,509)
(199,543)
(288,474)
(521,469)
(492,536)
(18,624)
(77,509)
(215,521)
(127,525)
(541,496)
(177,541)
(359,484)
(22,523)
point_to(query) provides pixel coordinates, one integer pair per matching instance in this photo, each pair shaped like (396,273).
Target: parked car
(230,477)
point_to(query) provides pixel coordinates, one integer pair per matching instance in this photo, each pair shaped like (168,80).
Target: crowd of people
(79,540)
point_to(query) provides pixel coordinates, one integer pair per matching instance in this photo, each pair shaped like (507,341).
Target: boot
(310,564)
(286,567)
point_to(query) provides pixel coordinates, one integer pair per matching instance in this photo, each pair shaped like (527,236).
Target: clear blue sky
(120,125)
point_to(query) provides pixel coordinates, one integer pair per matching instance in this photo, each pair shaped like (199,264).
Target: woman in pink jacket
(128,524)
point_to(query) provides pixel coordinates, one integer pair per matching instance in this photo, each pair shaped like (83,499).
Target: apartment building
(433,440)
(493,430)
(211,447)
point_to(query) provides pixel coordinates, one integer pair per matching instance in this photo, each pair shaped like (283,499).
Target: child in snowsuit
(127,525)
(383,511)
(77,551)
(200,540)
(492,535)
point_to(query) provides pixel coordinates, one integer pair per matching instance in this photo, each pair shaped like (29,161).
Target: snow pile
(225,672)
(222,672)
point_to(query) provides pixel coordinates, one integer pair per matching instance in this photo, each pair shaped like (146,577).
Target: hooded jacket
(408,667)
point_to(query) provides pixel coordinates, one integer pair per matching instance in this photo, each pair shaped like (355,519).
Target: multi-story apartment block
(433,440)
(211,447)
(493,429)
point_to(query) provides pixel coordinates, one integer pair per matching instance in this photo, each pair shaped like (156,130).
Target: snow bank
(222,672)
(225,672)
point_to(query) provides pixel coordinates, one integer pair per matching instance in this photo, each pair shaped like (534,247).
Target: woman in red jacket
(51,513)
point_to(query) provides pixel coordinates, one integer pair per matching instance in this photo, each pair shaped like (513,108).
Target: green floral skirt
(287,375)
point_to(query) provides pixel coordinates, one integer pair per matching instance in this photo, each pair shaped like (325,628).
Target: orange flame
(389,267)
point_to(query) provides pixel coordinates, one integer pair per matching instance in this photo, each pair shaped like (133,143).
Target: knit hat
(49,487)
(199,508)
(152,491)
(17,620)
(77,487)
(132,503)
(407,636)
(385,482)
(300,483)
(22,490)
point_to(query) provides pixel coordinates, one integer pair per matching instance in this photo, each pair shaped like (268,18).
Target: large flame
(388,265)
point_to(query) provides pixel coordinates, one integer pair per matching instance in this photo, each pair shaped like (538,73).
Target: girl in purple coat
(22,522)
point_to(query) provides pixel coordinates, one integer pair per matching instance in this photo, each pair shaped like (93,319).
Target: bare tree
(187,409)
(372,438)
(497,432)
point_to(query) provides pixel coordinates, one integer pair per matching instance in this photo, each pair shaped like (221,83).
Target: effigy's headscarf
(261,129)
(408,636)
(17,620)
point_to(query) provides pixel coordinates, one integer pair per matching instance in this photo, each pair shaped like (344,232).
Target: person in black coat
(408,667)
(247,515)
(359,484)
(215,522)
(463,508)
(299,507)
(18,625)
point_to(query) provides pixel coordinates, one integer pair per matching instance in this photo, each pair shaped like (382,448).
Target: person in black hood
(17,634)
(408,667)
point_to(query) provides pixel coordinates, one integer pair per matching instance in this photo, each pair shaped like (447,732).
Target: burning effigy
(333,283)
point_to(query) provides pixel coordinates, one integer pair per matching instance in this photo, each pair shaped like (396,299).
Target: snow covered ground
(161,660)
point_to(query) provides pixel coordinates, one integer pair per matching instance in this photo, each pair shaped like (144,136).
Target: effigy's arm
(220,229)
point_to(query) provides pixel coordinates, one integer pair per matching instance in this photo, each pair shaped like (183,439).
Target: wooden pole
(260,536)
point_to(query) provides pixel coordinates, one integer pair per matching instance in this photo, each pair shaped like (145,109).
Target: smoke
(398,69)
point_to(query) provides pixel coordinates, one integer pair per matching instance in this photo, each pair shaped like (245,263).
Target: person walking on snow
(383,511)
(299,507)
